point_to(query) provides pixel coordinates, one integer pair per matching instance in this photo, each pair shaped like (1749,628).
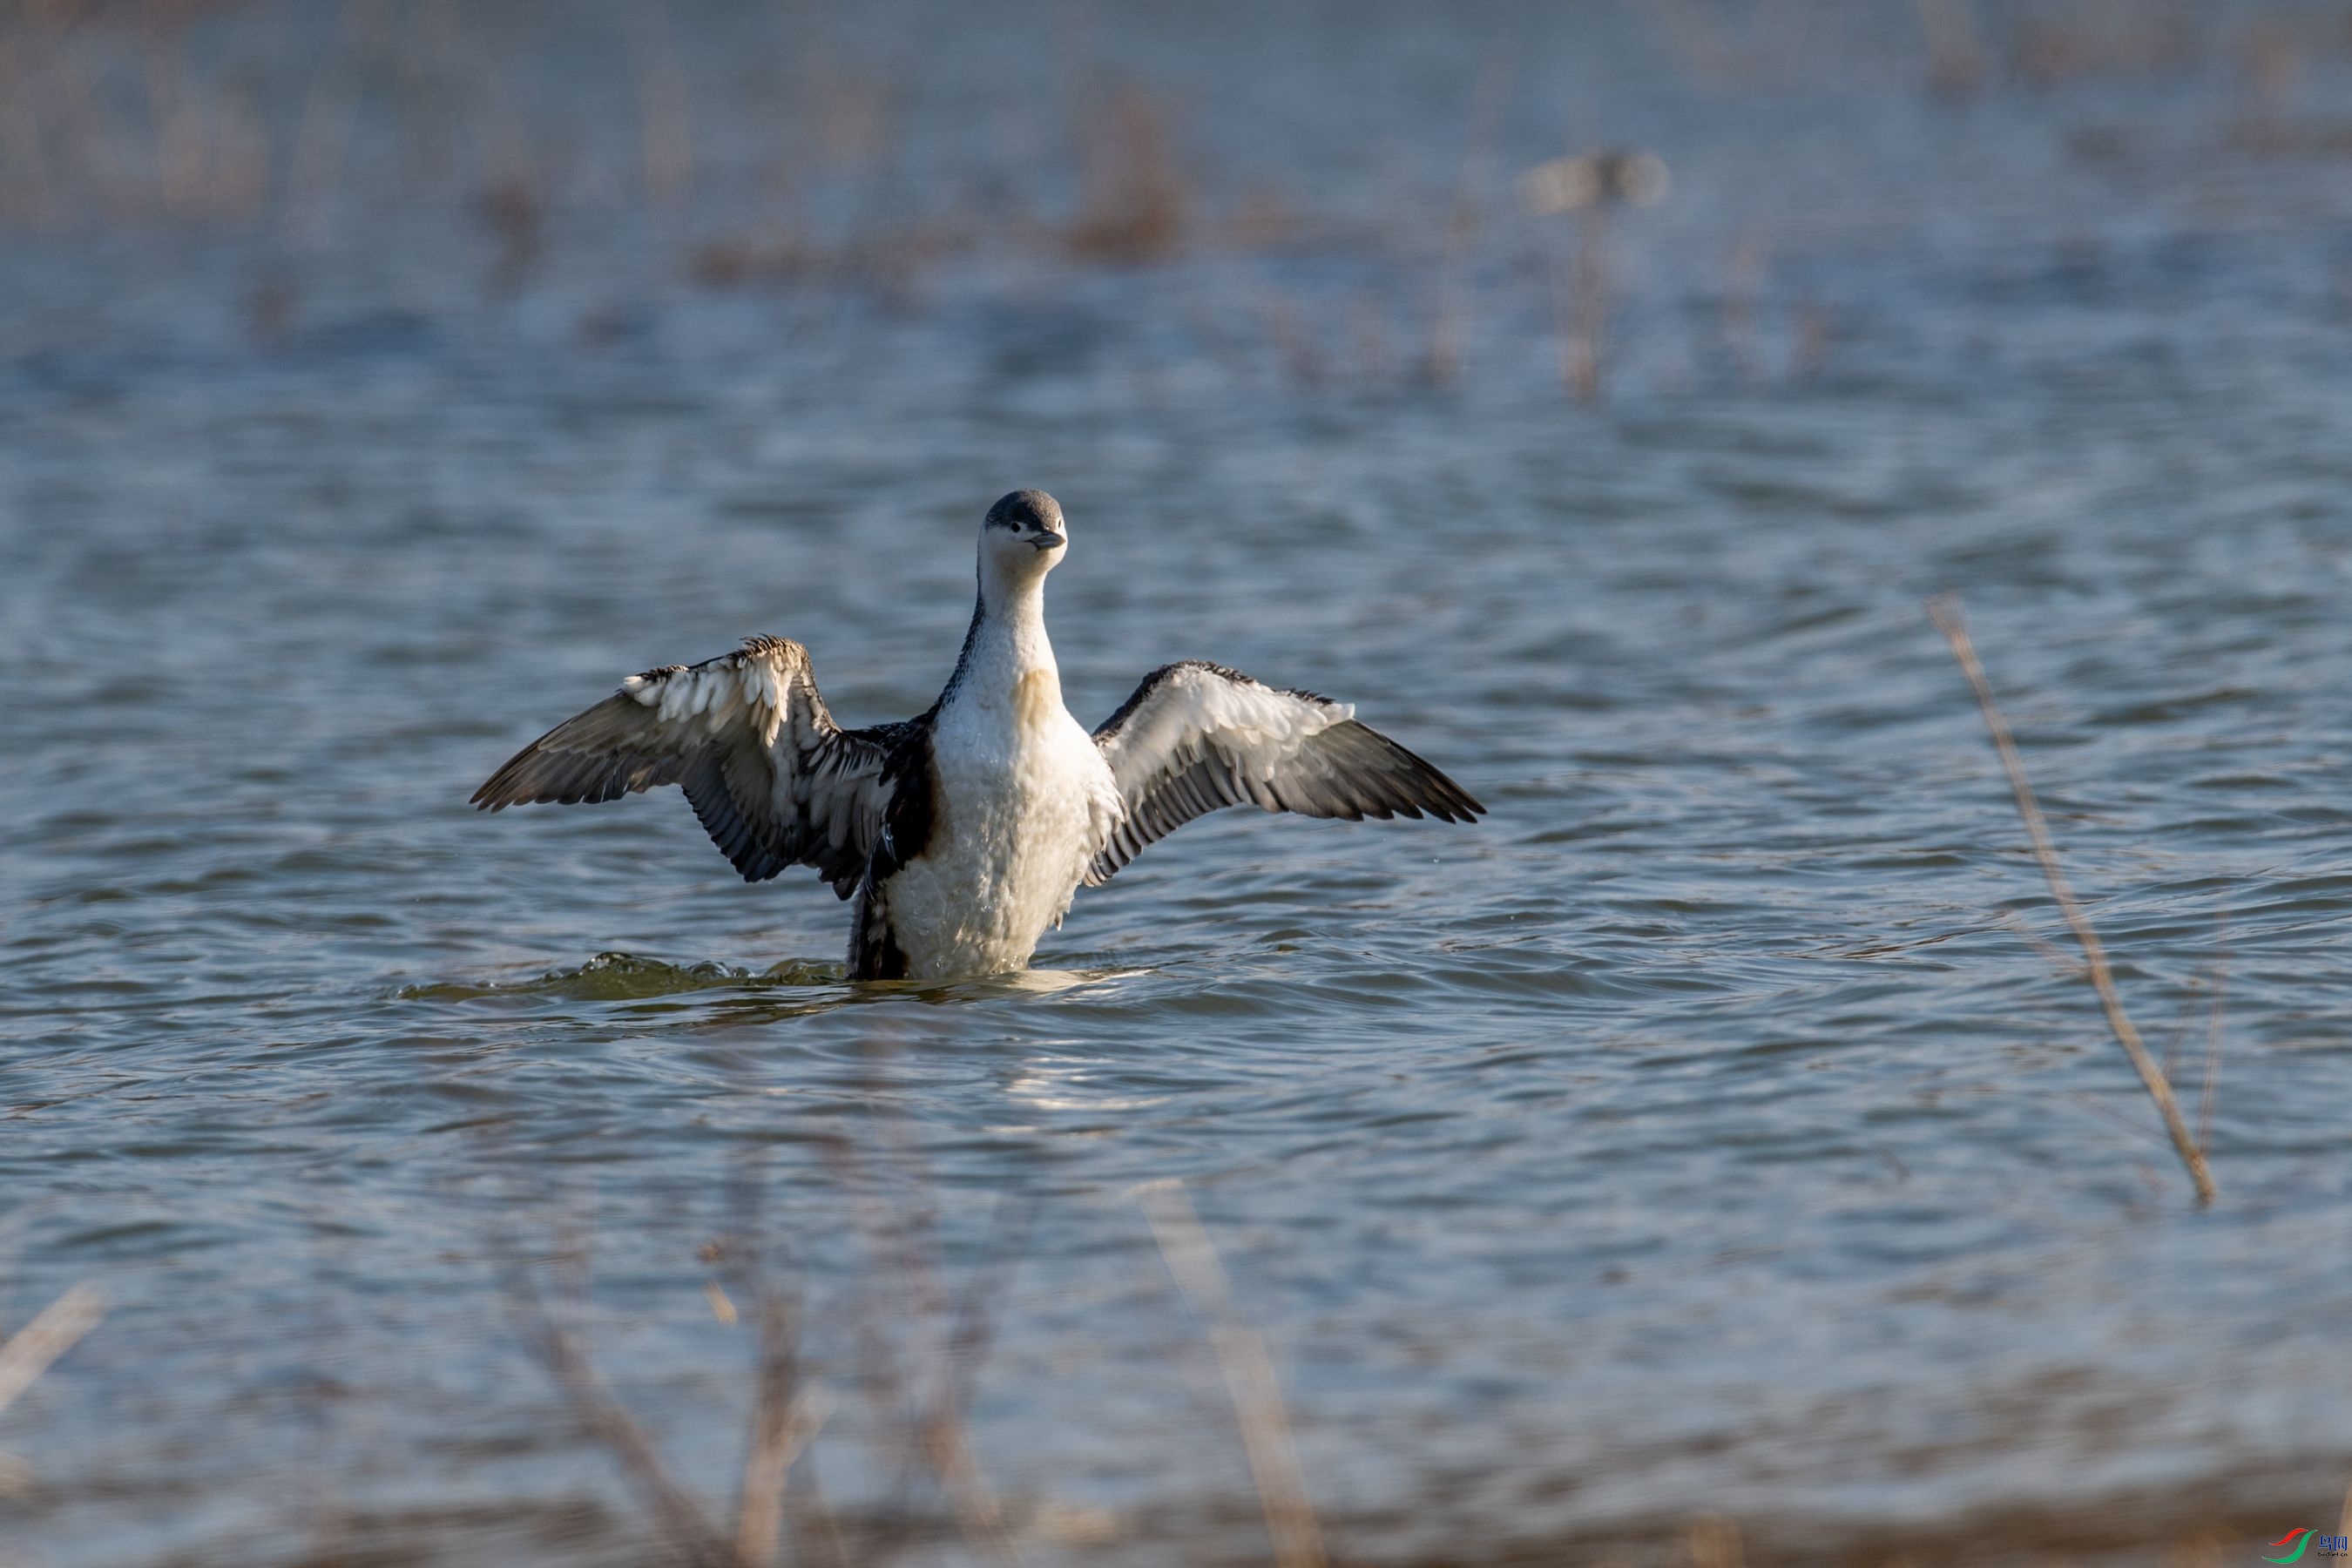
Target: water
(1703,1133)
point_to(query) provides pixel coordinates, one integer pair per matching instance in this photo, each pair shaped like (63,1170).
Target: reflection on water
(1703,1135)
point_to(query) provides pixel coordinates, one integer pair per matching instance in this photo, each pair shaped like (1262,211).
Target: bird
(962,834)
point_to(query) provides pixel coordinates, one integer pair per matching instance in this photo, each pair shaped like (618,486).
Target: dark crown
(1026,509)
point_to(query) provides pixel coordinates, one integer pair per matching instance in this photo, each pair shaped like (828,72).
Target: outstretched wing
(1198,737)
(775,782)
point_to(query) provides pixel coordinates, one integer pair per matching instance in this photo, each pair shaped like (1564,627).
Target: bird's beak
(1048,542)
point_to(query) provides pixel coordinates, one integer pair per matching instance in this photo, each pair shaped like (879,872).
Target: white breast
(1023,802)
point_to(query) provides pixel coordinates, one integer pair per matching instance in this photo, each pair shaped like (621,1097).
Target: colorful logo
(2329,1545)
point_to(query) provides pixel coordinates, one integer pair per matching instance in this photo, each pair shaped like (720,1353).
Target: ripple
(1704,1130)
(628,977)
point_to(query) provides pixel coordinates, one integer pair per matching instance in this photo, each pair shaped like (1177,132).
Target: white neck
(1007,650)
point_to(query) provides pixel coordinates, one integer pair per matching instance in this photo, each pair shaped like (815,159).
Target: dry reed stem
(1451,328)
(1582,302)
(682,1521)
(2093,1103)
(785,1412)
(2214,1035)
(1715,1542)
(665,110)
(211,154)
(948,1448)
(322,138)
(2050,950)
(91,149)
(1813,346)
(1944,611)
(926,1401)
(971,1332)
(2179,1032)
(22,135)
(1137,195)
(1744,273)
(1248,1373)
(784,1432)
(1956,59)
(54,1330)
(176,121)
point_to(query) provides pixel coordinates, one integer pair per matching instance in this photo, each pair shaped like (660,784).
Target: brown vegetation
(1945,613)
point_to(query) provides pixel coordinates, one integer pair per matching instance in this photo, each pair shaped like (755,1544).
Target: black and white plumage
(963,833)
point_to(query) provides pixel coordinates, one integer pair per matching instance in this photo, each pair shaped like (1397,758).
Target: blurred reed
(55,1329)
(316,132)
(798,168)
(1248,1373)
(919,1349)
(1944,611)
(1715,1542)
(1136,198)
(32,1351)
(1589,188)
(1464,225)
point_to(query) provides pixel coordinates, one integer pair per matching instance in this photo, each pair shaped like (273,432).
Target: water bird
(963,833)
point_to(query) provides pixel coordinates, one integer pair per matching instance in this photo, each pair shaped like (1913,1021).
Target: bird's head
(1023,537)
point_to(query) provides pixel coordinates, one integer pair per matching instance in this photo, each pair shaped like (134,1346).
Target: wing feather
(772,778)
(1196,738)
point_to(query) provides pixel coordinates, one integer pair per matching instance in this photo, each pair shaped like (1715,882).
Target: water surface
(1703,1133)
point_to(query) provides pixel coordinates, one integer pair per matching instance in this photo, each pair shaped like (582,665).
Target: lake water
(1702,1134)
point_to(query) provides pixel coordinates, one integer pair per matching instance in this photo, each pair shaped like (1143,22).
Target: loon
(964,833)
